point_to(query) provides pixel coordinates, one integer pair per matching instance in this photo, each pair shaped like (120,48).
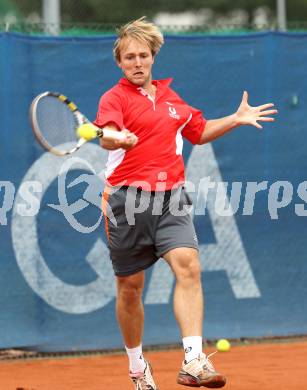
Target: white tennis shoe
(200,372)
(144,380)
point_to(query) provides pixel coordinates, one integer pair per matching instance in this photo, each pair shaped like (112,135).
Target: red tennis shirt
(159,125)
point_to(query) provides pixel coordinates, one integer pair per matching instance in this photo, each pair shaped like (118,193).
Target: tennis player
(145,178)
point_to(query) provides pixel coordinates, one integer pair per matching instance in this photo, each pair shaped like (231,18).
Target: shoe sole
(214,382)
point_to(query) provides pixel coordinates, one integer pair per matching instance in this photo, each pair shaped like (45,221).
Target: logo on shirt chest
(172,112)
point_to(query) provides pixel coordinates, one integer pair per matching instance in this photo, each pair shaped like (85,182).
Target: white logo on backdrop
(226,255)
(62,296)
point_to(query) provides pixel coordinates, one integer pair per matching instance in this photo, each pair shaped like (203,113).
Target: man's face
(136,61)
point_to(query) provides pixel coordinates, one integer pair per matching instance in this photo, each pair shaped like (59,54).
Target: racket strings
(56,122)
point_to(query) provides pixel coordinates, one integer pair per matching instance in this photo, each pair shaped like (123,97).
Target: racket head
(54,120)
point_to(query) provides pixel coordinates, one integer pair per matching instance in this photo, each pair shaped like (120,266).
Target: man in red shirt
(159,121)
(145,178)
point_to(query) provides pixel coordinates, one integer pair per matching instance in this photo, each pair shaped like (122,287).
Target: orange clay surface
(264,366)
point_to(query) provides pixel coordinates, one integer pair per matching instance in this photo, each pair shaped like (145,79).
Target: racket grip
(111,135)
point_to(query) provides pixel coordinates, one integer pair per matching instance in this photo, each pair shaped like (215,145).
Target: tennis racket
(60,127)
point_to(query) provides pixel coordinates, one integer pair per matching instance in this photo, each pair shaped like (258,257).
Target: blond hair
(141,30)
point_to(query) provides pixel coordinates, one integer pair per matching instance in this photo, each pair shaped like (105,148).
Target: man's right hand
(130,141)
(127,143)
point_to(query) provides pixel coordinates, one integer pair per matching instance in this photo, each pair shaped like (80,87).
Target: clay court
(263,366)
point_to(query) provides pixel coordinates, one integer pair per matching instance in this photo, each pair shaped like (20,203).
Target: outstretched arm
(245,115)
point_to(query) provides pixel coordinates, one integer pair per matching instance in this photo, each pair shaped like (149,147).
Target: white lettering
(274,200)
(33,203)
(8,200)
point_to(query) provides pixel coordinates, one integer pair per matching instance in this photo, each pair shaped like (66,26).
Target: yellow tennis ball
(87,131)
(223,345)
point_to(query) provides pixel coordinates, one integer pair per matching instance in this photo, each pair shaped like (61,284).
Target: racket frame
(80,120)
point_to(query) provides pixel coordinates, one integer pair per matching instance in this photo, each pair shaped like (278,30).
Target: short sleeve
(109,110)
(195,127)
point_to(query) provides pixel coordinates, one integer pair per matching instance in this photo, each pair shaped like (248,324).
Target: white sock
(193,347)
(136,360)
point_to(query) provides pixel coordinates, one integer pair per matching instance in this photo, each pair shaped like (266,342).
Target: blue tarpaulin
(57,288)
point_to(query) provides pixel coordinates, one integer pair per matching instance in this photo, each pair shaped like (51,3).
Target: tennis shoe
(144,380)
(200,372)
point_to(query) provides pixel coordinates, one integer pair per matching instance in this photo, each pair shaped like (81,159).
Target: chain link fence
(96,17)
(90,29)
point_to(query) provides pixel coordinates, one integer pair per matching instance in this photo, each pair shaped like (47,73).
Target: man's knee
(185,264)
(190,271)
(130,288)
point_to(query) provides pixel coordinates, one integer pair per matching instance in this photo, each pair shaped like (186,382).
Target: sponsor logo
(173,113)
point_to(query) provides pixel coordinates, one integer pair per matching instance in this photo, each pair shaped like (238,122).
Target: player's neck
(150,88)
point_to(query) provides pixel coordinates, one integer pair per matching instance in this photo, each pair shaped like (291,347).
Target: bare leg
(130,316)
(129,308)
(188,308)
(188,295)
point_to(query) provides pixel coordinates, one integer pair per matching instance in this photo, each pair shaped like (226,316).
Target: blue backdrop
(57,289)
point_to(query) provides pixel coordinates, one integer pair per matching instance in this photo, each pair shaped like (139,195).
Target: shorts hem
(188,245)
(132,272)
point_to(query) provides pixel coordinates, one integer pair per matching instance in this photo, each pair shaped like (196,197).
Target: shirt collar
(158,83)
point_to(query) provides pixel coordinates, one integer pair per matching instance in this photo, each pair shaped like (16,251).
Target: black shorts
(141,226)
